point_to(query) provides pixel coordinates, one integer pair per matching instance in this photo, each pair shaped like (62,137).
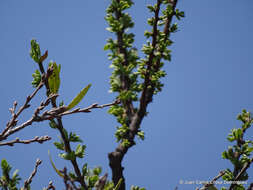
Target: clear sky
(208,82)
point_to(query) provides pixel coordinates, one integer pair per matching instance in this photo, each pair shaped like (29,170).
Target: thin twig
(88,109)
(29,180)
(31,120)
(52,113)
(50,186)
(61,130)
(13,121)
(35,139)
(205,187)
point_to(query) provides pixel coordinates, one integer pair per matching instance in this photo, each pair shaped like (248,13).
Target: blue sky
(208,82)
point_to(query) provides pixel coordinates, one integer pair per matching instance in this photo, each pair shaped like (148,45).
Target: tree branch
(125,81)
(29,180)
(13,121)
(35,139)
(116,157)
(243,170)
(205,187)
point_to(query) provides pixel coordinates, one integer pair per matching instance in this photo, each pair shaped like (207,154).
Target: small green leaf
(85,169)
(74,138)
(35,51)
(6,168)
(78,98)
(59,145)
(80,150)
(97,170)
(141,135)
(36,78)
(52,163)
(52,124)
(68,156)
(73,176)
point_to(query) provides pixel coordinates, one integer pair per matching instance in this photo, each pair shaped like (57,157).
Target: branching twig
(13,121)
(35,139)
(29,180)
(88,109)
(205,187)
(30,121)
(245,167)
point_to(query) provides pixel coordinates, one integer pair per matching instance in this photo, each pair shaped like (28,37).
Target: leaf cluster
(132,74)
(240,154)
(7,181)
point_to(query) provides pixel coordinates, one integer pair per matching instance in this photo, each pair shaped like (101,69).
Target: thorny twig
(205,187)
(29,180)
(35,139)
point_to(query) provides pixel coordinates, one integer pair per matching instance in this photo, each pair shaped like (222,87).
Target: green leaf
(141,135)
(73,176)
(36,78)
(92,180)
(5,166)
(53,124)
(35,51)
(54,79)
(151,8)
(52,163)
(97,170)
(80,150)
(74,138)
(78,98)
(59,145)
(85,169)
(68,156)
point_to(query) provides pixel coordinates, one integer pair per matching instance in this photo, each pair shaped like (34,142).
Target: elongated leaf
(78,98)
(56,170)
(118,185)
(54,79)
